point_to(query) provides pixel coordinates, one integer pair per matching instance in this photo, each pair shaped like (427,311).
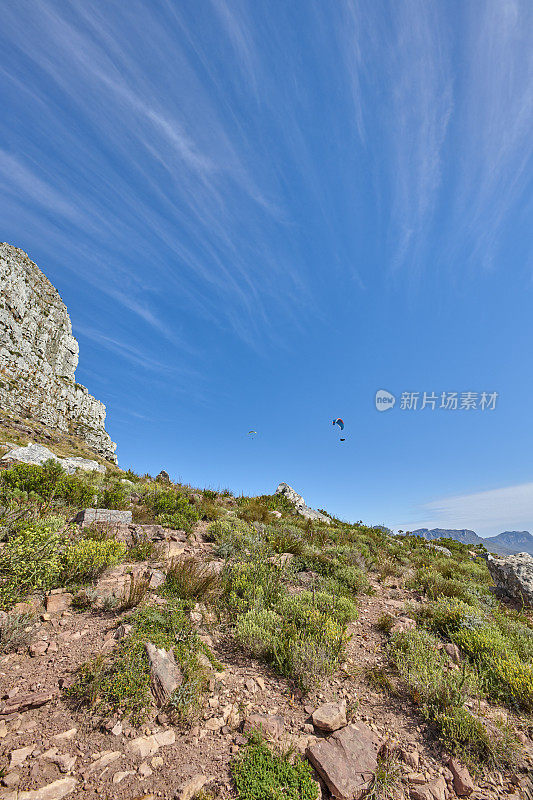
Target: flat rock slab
(24,702)
(53,791)
(89,515)
(271,725)
(165,675)
(346,761)
(433,790)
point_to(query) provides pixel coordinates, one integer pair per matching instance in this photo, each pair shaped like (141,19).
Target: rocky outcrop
(38,454)
(513,575)
(299,503)
(39,355)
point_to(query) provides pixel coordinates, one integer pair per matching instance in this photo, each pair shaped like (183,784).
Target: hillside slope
(138,657)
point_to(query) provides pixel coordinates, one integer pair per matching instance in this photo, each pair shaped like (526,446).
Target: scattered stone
(104,759)
(165,675)
(462,782)
(38,649)
(53,791)
(144,770)
(11,779)
(66,735)
(145,746)
(330,717)
(18,757)
(58,600)
(24,702)
(453,651)
(116,730)
(433,790)
(270,724)
(191,787)
(119,776)
(410,757)
(513,575)
(346,761)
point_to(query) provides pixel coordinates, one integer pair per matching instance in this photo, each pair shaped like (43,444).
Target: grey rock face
(299,503)
(39,355)
(38,454)
(514,575)
(89,515)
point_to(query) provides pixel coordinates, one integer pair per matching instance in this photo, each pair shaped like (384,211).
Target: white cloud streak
(487,513)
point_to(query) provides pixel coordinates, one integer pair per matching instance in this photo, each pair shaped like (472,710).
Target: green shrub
(121,682)
(44,555)
(500,649)
(31,561)
(301,636)
(113,494)
(441,693)
(260,774)
(85,559)
(233,537)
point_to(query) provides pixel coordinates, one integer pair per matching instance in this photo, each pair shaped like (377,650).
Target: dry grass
(137,591)
(190,579)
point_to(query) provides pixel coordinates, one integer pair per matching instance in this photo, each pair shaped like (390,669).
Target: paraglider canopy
(339,422)
(252,433)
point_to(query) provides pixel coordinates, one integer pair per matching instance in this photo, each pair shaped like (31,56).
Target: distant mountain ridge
(504,543)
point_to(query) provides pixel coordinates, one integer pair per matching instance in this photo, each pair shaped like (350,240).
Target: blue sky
(261,212)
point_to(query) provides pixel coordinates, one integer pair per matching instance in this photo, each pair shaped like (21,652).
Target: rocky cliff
(39,355)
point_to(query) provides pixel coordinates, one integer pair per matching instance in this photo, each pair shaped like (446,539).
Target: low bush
(85,559)
(14,632)
(302,636)
(260,774)
(121,682)
(441,693)
(44,555)
(500,649)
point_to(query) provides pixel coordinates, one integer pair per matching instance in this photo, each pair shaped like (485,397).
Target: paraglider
(340,422)
(252,434)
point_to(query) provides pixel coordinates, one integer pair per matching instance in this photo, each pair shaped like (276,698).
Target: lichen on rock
(39,355)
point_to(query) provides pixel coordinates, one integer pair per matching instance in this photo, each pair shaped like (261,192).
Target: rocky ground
(51,750)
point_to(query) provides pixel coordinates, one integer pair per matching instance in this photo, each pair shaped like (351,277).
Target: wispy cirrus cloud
(487,513)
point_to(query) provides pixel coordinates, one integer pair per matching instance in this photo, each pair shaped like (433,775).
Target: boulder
(299,504)
(513,575)
(330,717)
(165,675)
(163,477)
(346,761)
